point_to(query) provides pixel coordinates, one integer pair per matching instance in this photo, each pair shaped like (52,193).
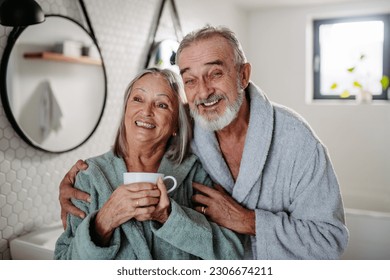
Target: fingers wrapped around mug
(130,201)
(163,208)
(143,194)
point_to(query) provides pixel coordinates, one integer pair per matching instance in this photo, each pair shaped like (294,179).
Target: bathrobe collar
(180,172)
(257,145)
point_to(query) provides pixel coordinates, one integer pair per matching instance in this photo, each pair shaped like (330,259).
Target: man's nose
(205,89)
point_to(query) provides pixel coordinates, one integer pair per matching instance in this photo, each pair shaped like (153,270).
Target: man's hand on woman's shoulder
(68,191)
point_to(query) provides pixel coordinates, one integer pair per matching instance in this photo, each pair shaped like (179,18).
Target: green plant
(357,82)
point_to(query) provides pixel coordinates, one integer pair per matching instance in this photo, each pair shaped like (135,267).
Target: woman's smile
(144,124)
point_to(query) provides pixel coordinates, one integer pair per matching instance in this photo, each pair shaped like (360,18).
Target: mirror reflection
(53,84)
(163,55)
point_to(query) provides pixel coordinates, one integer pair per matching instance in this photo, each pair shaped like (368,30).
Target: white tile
(5,189)
(4,144)
(11,176)
(3,223)
(5,166)
(12,220)
(17,207)
(8,232)
(11,198)
(6,211)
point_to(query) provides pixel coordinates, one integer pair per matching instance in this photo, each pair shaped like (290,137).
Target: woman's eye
(162,105)
(137,99)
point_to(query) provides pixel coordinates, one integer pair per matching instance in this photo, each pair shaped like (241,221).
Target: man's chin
(214,124)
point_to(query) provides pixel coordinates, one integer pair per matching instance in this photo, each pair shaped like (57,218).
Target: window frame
(385,17)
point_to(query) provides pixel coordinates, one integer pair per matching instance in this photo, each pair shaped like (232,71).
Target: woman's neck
(142,158)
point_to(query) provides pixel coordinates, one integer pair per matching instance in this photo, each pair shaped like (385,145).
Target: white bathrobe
(286,176)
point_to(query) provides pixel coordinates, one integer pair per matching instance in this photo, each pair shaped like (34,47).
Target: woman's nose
(147,110)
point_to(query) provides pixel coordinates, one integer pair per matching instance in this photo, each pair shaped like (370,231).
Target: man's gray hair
(211,31)
(178,146)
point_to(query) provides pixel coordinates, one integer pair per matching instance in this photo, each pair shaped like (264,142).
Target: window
(351,54)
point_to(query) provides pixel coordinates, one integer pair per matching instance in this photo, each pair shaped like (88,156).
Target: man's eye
(216,74)
(189,82)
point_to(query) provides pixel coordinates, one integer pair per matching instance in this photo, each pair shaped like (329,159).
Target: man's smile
(210,102)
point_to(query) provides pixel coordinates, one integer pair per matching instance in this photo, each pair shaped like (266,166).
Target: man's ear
(245,74)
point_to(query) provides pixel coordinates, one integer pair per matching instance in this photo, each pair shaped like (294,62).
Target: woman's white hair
(178,146)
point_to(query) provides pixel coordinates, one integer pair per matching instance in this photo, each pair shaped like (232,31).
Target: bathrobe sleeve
(76,241)
(309,228)
(190,231)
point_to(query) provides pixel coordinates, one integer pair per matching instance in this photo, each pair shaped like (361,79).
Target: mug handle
(174,183)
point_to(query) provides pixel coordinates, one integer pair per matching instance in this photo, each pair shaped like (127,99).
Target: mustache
(210,99)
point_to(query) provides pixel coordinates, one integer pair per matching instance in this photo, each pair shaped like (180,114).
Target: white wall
(195,14)
(357,136)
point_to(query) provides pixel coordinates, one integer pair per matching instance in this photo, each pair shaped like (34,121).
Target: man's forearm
(247,225)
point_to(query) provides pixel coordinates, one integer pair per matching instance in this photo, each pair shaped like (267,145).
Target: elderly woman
(140,220)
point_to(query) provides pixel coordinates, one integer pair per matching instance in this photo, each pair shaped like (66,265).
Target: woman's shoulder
(104,165)
(103,169)
(102,161)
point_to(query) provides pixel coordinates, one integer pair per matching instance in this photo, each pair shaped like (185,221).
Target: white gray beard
(221,121)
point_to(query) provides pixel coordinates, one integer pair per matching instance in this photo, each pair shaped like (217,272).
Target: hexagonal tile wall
(29,178)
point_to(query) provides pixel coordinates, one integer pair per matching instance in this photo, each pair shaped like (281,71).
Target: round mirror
(163,55)
(53,84)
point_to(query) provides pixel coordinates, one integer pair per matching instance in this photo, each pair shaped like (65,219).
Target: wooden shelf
(62,58)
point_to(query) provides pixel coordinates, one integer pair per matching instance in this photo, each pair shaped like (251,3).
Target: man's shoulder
(285,113)
(288,121)
(284,118)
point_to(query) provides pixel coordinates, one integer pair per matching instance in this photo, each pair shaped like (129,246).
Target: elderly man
(275,181)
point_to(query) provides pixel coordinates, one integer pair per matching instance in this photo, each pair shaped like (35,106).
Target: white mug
(138,177)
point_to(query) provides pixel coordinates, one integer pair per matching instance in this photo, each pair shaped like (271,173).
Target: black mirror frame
(13,36)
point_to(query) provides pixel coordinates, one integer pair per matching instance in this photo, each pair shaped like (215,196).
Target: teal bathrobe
(186,234)
(286,176)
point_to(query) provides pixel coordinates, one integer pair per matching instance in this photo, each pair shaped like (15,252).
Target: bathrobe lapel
(133,230)
(205,145)
(257,145)
(180,172)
